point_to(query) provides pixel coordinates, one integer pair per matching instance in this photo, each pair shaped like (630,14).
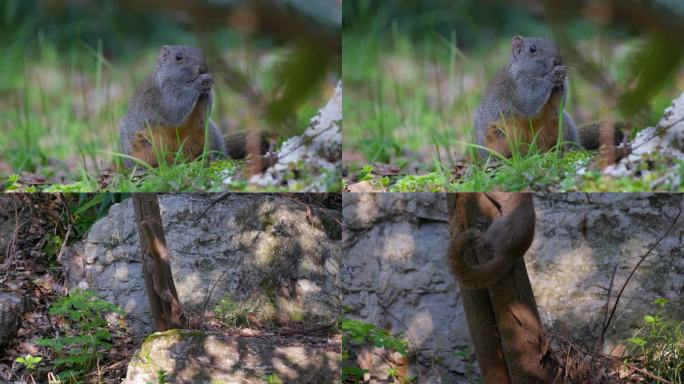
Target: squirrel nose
(557,61)
(202,69)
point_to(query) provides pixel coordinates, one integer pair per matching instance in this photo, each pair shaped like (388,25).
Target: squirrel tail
(593,135)
(236,144)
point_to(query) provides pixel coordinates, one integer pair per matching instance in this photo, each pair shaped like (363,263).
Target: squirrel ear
(517,45)
(164,53)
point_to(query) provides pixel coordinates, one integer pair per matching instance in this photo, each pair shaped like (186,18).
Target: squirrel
(524,102)
(169,110)
(479,259)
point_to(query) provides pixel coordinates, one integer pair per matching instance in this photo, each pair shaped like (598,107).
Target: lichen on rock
(188,356)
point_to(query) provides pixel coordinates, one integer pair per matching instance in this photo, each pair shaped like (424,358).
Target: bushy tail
(593,135)
(236,144)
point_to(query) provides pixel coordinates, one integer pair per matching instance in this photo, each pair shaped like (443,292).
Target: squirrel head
(533,56)
(180,64)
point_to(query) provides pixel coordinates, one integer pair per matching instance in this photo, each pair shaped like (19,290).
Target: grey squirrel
(167,113)
(524,101)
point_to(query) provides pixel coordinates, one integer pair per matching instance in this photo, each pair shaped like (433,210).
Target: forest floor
(31,270)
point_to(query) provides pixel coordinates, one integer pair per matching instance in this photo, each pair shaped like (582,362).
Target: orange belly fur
(167,143)
(541,129)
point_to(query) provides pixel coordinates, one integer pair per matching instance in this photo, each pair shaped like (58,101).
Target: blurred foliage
(304,68)
(87,208)
(126,28)
(654,66)
(416,70)
(475,23)
(358,334)
(70,67)
(71,23)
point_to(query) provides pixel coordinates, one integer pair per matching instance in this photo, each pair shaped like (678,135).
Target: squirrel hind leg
(495,139)
(570,135)
(141,148)
(217,145)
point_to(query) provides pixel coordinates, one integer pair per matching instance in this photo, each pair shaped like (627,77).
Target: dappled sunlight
(121,272)
(399,245)
(364,210)
(188,286)
(129,305)
(420,327)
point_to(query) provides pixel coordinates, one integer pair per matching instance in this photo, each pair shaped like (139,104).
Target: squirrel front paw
(204,82)
(559,73)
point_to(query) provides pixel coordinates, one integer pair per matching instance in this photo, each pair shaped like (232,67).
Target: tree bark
(503,320)
(161,290)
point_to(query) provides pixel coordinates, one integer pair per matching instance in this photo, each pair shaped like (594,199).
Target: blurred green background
(416,70)
(69,67)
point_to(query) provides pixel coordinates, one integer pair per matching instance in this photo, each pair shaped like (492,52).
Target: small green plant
(467,356)
(273,379)
(30,362)
(658,345)
(356,332)
(231,313)
(240,314)
(161,376)
(87,208)
(51,249)
(86,335)
(365,173)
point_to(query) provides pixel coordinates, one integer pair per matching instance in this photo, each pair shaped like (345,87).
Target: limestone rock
(200,357)
(11,309)
(245,246)
(318,151)
(394,273)
(662,144)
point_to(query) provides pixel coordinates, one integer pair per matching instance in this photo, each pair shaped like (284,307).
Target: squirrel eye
(533,48)
(179,56)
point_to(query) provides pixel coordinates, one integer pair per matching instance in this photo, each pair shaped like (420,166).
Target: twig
(617,299)
(9,253)
(605,316)
(291,332)
(220,197)
(567,362)
(612,359)
(204,307)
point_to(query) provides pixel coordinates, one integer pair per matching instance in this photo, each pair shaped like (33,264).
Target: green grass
(546,172)
(61,109)
(217,176)
(409,103)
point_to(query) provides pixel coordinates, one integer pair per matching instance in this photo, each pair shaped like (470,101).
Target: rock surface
(198,358)
(317,152)
(11,309)
(662,144)
(394,272)
(244,246)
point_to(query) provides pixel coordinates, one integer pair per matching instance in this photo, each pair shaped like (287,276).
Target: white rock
(318,151)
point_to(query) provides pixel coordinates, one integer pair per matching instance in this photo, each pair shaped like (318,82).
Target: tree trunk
(161,290)
(503,320)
